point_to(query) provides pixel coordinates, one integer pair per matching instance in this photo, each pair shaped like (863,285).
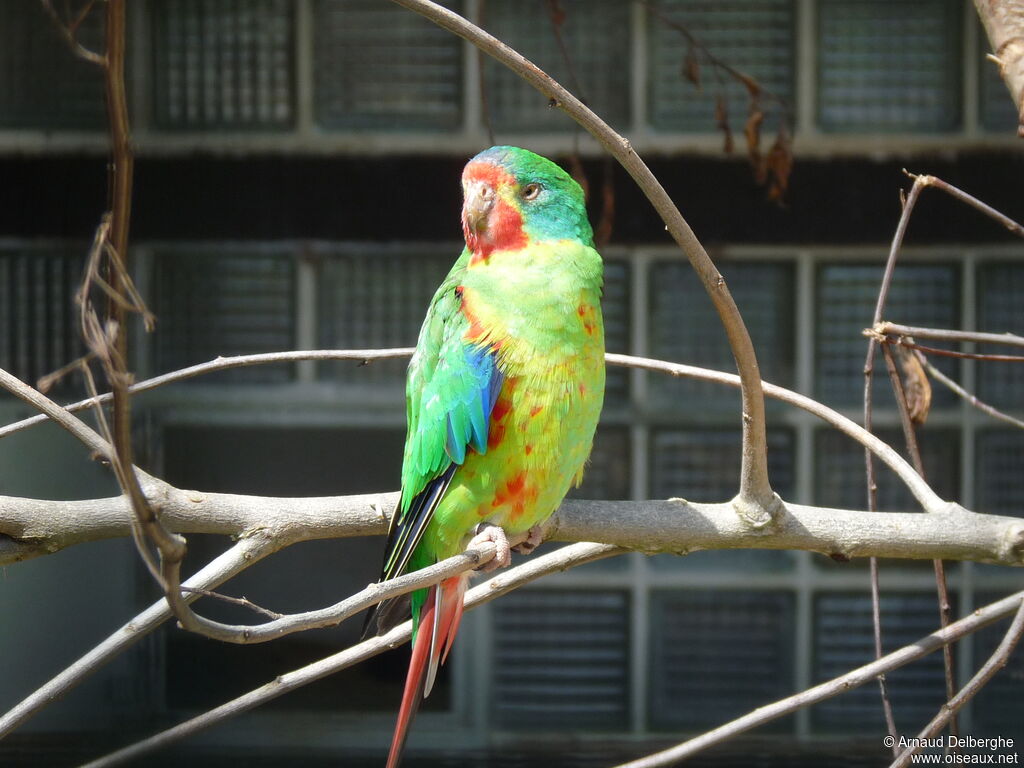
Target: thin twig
(220,364)
(869,462)
(995,662)
(910,344)
(928,499)
(941,587)
(942,334)
(982,406)
(244,602)
(68,32)
(756,502)
(982,617)
(932,181)
(286,624)
(560,560)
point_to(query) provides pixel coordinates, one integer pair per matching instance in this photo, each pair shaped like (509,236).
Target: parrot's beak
(478,204)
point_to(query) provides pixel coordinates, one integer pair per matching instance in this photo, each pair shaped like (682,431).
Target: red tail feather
(433,637)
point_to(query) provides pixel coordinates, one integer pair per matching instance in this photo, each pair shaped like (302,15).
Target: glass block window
(844,639)
(889,65)
(39,331)
(223,65)
(224,303)
(701,674)
(685,328)
(704,464)
(839,476)
(43,84)
(921,294)
(376,300)
(997,111)
(1000,460)
(1000,288)
(561,659)
(379,66)
(594,65)
(999,707)
(755,36)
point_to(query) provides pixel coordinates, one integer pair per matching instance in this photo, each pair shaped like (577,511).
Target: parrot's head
(513,197)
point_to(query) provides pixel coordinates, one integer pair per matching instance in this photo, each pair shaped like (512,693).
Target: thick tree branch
(674,525)
(756,502)
(1004,23)
(853,679)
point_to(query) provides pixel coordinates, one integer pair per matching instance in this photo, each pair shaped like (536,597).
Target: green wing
(450,392)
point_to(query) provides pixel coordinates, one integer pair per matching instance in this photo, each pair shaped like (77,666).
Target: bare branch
(932,181)
(221,364)
(909,343)
(869,462)
(673,525)
(853,679)
(941,587)
(331,616)
(920,490)
(755,503)
(883,329)
(996,662)
(939,376)
(78,428)
(534,568)
(68,32)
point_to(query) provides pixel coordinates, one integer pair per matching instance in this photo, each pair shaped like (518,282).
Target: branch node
(1013,544)
(760,516)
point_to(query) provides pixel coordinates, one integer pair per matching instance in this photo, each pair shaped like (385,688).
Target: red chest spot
(511,492)
(501,409)
(495,436)
(535,410)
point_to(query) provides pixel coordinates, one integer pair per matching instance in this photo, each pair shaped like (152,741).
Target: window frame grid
(468,721)
(809,139)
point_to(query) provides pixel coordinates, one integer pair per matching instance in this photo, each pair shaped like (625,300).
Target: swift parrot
(503,393)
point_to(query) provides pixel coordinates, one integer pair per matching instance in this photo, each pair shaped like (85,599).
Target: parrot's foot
(488,532)
(534,538)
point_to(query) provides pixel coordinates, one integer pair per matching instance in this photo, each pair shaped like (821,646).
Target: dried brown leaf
(722,122)
(916,385)
(779,166)
(691,68)
(752,133)
(578,173)
(557,13)
(753,87)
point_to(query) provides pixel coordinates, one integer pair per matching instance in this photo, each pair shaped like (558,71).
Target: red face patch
(502,229)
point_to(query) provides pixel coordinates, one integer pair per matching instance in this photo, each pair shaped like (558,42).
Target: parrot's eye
(531,191)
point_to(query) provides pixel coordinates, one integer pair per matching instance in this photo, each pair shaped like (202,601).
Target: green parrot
(503,393)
